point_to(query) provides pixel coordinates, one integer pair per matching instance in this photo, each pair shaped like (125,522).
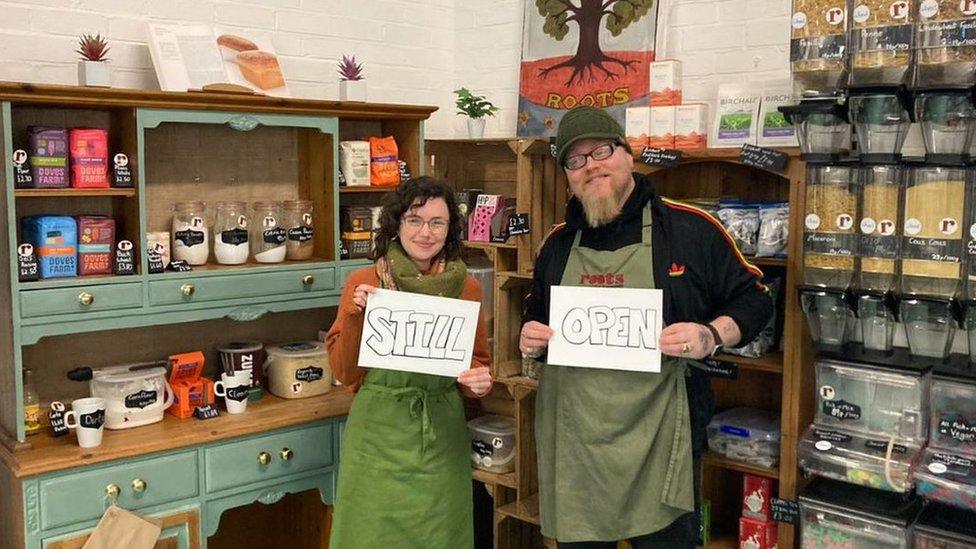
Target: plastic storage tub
(746,434)
(836,515)
(947,477)
(944,527)
(493,443)
(854,458)
(871,400)
(953,416)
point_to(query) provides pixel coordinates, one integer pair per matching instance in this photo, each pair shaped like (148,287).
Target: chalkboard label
(56,417)
(190,238)
(275,236)
(841,409)
(141,399)
(233,237)
(94,420)
(481,448)
(155,262)
(179,266)
(125,263)
(518,224)
(121,173)
(26,263)
(404,170)
(720,369)
(238,394)
(309,373)
(205,412)
(882,446)
(342,180)
(300,234)
(785,511)
(23,178)
(660,157)
(761,157)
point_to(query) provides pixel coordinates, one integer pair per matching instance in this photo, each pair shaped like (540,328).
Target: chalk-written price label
(661,157)
(786,511)
(518,224)
(761,157)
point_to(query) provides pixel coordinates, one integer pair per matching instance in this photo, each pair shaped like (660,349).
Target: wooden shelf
(525,510)
(723,542)
(728,153)
(250,266)
(504,479)
(490,245)
(365,189)
(767,261)
(711,459)
(771,362)
(69,192)
(520,381)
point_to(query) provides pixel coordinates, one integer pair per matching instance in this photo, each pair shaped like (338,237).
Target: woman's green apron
(405,470)
(614,447)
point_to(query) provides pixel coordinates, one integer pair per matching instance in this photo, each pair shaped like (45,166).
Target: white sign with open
(607,328)
(418,333)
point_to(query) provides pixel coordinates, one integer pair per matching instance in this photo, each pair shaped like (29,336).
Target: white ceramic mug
(234,388)
(89,420)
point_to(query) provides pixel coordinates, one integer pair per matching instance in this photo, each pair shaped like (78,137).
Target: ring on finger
(685,349)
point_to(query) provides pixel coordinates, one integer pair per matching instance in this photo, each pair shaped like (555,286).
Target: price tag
(179,266)
(56,418)
(786,511)
(552,147)
(404,171)
(26,263)
(518,224)
(720,369)
(121,172)
(205,412)
(761,157)
(23,179)
(661,157)
(125,263)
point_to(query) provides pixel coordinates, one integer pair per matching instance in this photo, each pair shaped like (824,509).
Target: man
(615,448)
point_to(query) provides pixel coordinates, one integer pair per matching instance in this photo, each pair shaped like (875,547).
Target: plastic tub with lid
(746,434)
(857,459)
(493,443)
(298,370)
(134,395)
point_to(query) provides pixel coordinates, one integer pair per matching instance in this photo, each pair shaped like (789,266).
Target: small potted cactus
(352,86)
(93,68)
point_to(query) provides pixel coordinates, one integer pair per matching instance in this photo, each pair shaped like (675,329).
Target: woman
(405,475)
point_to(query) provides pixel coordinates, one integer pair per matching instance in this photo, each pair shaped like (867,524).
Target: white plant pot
(94,73)
(476,128)
(352,90)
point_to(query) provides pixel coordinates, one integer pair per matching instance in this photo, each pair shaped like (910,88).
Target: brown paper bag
(121,528)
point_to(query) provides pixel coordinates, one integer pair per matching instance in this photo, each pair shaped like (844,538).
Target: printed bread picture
(261,69)
(230,45)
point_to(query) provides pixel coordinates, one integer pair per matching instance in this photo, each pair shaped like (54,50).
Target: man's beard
(601,210)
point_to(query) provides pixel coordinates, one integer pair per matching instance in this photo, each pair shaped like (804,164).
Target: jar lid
(493,425)
(240,347)
(298,349)
(122,374)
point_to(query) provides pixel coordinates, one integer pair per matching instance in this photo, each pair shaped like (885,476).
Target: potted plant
(93,68)
(352,86)
(476,107)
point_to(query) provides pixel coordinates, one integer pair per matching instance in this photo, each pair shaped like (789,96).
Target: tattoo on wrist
(704,336)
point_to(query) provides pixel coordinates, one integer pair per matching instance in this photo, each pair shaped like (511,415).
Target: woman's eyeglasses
(436,225)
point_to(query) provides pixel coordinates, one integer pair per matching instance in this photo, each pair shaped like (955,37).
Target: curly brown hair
(411,194)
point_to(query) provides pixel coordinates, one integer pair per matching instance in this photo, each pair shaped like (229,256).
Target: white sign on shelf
(607,328)
(418,333)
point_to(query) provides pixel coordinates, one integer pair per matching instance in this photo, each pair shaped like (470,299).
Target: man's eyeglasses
(602,152)
(436,225)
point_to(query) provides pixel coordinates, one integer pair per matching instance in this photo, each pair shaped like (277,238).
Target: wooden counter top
(49,454)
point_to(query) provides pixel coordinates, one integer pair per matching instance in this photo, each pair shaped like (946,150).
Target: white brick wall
(414,51)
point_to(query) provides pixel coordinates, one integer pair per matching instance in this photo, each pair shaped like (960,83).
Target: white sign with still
(607,328)
(418,333)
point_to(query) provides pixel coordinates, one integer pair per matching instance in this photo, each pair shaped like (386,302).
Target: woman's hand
(534,338)
(359,296)
(687,340)
(477,380)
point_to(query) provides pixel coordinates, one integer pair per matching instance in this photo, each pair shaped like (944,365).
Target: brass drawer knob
(287,454)
(187,290)
(86,298)
(139,485)
(264,458)
(308,280)
(113,490)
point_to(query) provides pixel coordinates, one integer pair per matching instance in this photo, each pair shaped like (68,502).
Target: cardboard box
(757,534)
(757,497)
(96,245)
(89,158)
(691,126)
(774,129)
(662,128)
(736,117)
(638,127)
(190,389)
(665,83)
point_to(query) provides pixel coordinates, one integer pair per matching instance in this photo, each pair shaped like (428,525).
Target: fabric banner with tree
(583,52)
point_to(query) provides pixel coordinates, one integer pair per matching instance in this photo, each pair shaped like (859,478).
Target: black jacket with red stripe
(695,262)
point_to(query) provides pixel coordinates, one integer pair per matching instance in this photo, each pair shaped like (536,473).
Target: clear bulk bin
(943,527)
(944,53)
(857,459)
(879,225)
(881,39)
(882,121)
(818,46)
(830,236)
(836,515)
(823,129)
(948,478)
(929,326)
(947,119)
(829,317)
(953,416)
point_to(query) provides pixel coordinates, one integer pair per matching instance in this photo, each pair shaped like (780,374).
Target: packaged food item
(301,232)
(96,245)
(661,135)
(746,434)
(499,221)
(239,356)
(665,82)
(757,496)
(230,233)
(818,46)
(757,534)
(830,241)
(467,202)
(946,53)
(774,229)
(774,129)
(354,162)
(189,387)
(741,220)
(357,244)
(736,118)
(357,218)
(55,241)
(638,125)
(48,150)
(191,235)
(881,38)
(268,236)
(383,168)
(298,370)
(89,157)
(691,126)
(480,221)
(493,443)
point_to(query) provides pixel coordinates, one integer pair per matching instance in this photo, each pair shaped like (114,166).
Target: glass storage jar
(191,235)
(268,235)
(230,233)
(301,233)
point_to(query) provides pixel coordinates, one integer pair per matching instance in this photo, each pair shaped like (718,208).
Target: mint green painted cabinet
(180,290)
(82,299)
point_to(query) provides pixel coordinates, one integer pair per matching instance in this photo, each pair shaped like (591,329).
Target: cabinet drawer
(238,463)
(80,497)
(59,301)
(217,288)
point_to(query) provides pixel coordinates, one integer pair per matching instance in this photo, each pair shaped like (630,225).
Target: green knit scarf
(398,272)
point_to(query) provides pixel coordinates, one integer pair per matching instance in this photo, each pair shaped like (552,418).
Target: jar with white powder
(268,233)
(191,236)
(298,221)
(230,233)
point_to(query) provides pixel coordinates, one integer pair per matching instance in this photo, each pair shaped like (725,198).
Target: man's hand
(687,340)
(534,338)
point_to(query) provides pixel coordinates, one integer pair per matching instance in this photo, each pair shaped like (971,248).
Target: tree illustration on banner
(583,52)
